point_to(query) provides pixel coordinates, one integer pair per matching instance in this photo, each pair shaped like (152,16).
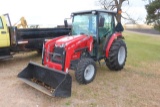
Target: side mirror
(65,23)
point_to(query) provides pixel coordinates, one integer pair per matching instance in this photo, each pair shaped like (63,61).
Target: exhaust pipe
(49,81)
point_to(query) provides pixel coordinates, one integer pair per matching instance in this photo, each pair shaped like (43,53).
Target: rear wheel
(86,71)
(117,55)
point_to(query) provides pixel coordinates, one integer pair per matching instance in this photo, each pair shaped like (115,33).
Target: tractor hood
(68,40)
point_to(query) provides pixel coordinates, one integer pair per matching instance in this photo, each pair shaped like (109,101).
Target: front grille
(58,55)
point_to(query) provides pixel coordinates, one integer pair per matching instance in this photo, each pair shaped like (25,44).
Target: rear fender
(112,38)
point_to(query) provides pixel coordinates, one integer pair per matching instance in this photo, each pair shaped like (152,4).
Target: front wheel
(117,55)
(85,71)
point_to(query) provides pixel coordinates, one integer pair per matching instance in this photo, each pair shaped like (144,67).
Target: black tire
(86,71)
(113,61)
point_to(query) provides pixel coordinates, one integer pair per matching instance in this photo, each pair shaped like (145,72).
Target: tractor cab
(99,24)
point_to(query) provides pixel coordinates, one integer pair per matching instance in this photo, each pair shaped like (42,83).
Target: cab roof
(97,11)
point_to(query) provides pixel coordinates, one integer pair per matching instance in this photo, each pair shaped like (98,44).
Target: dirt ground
(131,87)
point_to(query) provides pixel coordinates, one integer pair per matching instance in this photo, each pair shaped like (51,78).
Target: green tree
(153,14)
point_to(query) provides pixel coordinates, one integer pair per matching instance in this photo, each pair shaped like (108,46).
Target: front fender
(112,38)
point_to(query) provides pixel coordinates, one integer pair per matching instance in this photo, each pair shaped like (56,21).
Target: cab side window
(105,24)
(1,24)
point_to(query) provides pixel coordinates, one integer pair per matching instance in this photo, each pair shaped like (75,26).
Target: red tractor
(94,36)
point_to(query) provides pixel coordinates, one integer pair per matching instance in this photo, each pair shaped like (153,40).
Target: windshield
(84,24)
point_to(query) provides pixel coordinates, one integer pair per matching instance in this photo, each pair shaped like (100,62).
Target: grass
(142,48)
(137,85)
(143,54)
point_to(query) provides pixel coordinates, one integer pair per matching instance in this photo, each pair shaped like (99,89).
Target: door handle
(3,32)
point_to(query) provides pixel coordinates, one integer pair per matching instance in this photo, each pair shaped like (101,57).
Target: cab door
(105,29)
(4,33)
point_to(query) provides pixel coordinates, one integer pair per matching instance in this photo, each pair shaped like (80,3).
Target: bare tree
(107,4)
(130,19)
(112,5)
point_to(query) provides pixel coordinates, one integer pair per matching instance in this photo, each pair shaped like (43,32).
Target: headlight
(62,45)
(56,45)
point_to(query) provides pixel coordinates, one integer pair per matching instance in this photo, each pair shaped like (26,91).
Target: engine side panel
(71,50)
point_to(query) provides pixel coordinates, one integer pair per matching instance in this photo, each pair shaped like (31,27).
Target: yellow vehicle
(15,40)
(4,33)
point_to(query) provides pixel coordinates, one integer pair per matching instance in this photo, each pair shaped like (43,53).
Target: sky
(53,12)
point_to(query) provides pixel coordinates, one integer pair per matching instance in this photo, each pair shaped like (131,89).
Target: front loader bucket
(49,81)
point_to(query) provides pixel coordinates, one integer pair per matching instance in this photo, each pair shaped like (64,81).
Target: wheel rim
(89,72)
(121,55)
